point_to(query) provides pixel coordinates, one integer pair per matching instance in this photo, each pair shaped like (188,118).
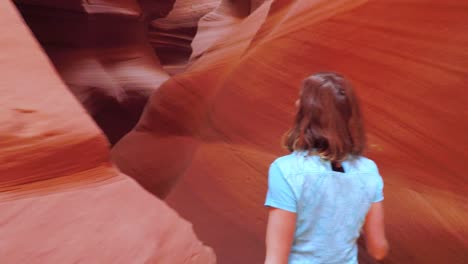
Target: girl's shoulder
(297,162)
(361,164)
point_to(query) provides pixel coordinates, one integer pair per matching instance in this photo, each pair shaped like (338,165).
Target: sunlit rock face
(217,25)
(215,128)
(171,36)
(61,199)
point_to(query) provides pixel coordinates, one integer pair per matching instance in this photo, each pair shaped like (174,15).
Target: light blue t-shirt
(330,206)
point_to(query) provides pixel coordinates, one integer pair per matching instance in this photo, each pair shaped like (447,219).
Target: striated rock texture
(113,54)
(171,36)
(102,52)
(216,127)
(218,24)
(61,200)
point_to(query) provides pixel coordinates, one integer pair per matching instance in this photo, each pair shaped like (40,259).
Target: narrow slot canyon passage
(138,131)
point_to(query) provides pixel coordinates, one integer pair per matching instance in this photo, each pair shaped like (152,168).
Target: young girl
(322,194)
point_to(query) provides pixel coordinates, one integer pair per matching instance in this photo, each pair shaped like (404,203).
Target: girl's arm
(374,232)
(280,235)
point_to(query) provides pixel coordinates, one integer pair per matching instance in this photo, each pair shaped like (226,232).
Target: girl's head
(328,119)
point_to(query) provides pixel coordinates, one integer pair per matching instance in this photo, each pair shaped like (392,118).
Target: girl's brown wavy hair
(328,120)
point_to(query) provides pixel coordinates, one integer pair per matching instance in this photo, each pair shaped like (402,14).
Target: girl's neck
(336,166)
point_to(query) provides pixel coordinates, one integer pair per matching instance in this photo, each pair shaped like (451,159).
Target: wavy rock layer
(217,126)
(102,52)
(171,36)
(61,201)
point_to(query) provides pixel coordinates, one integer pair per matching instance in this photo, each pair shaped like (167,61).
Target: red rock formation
(61,200)
(216,127)
(117,7)
(172,35)
(170,127)
(101,50)
(217,25)
(219,123)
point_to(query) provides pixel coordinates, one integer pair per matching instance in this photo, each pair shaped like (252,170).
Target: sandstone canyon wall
(219,82)
(61,199)
(221,120)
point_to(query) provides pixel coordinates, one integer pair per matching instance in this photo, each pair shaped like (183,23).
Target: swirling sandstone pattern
(102,52)
(172,35)
(215,126)
(219,123)
(61,200)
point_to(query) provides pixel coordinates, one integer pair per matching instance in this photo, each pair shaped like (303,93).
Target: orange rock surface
(216,127)
(102,52)
(208,134)
(172,35)
(61,200)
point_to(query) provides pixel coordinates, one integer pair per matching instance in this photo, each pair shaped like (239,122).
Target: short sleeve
(379,196)
(280,194)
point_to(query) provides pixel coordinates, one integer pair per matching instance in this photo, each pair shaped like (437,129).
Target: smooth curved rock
(102,52)
(61,200)
(408,62)
(171,36)
(215,128)
(218,24)
(174,119)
